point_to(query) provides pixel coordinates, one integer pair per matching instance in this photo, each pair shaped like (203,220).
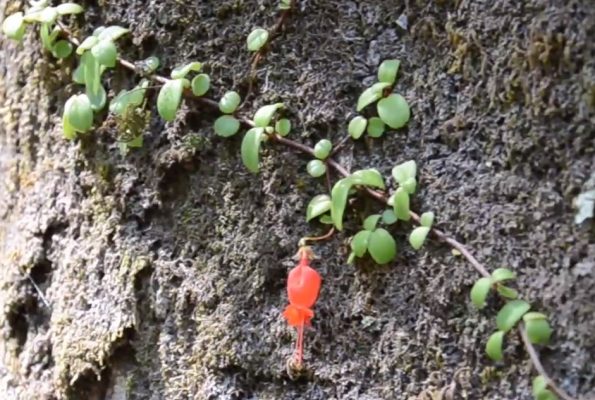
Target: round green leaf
(283,127)
(401,204)
(316,168)
(48,15)
(387,72)
(62,49)
(14,26)
(251,149)
(410,185)
(371,94)
(150,65)
(511,313)
(229,102)
(78,113)
(503,274)
(418,236)
(539,384)
(339,195)
(427,219)
(494,346)
(257,38)
(169,99)
(181,72)
(546,395)
(359,243)
(375,127)
(69,8)
(87,44)
(404,171)
(507,292)
(394,111)
(200,84)
(480,291)
(106,53)
(322,149)
(368,177)
(371,222)
(111,33)
(226,126)
(318,206)
(538,331)
(357,126)
(389,217)
(264,114)
(382,246)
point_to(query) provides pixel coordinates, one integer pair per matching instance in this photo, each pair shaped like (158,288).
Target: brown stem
(438,234)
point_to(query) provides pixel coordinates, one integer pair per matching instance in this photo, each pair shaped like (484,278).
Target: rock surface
(165,269)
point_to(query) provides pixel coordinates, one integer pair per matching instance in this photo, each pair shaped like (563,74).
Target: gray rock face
(165,269)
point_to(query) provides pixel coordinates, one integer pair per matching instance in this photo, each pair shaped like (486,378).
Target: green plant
(99,53)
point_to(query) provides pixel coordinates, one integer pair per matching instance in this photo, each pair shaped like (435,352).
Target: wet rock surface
(165,269)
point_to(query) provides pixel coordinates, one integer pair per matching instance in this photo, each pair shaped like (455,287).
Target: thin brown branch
(534,356)
(309,151)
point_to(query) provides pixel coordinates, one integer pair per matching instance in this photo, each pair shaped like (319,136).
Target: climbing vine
(98,53)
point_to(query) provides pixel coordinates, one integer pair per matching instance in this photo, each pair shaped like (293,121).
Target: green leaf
(87,44)
(502,274)
(531,316)
(538,331)
(357,126)
(368,177)
(106,53)
(14,26)
(427,219)
(111,33)
(494,346)
(339,196)
(404,171)
(200,84)
(48,15)
(418,236)
(410,185)
(539,384)
(371,222)
(129,98)
(480,291)
(511,313)
(326,219)
(283,127)
(322,149)
(97,98)
(69,8)
(68,130)
(387,72)
(389,217)
(507,292)
(62,49)
(263,116)
(251,149)
(149,65)
(285,5)
(401,204)
(181,72)
(375,127)
(229,102)
(394,111)
(169,99)
(78,75)
(359,243)
(78,113)
(382,246)
(371,94)
(257,38)
(318,206)
(226,126)
(316,168)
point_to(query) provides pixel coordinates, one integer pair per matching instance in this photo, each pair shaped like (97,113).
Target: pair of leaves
(170,95)
(254,137)
(378,242)
(341,189)
(228,125)
(481,288)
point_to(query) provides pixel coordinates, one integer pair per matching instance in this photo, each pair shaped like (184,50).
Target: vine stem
(438,234)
